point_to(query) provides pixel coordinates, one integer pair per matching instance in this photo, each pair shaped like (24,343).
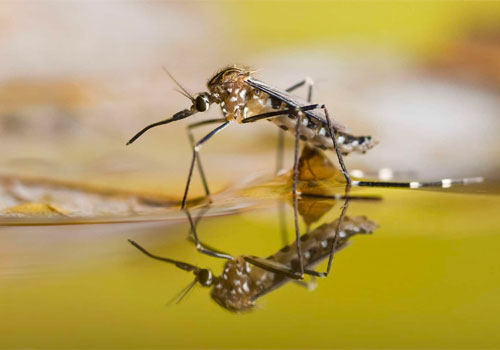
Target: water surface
(427,277)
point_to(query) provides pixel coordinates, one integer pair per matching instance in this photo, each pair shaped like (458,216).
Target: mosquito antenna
(179,296)
(186,93)
(187,290)
(179,264)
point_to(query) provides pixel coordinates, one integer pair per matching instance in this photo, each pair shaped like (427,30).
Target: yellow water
(429,276)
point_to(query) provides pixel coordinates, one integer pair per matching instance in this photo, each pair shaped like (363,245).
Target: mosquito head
(201,102)
(205,277)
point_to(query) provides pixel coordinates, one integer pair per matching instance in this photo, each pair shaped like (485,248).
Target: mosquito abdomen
(318,243)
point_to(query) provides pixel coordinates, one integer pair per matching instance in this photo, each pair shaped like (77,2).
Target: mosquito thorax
(227,75)
(226,80)
(205,277)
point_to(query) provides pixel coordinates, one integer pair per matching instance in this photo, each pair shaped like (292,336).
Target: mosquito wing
(292,101)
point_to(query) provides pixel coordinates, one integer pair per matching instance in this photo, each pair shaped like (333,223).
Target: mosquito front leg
(190,127)
(193,232)
(196,149)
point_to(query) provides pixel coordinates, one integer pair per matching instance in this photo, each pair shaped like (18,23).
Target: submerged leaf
(34,209)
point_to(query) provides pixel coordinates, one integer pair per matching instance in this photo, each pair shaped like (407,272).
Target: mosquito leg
(308,82)
(196,149)
(190,127)
(281,134)
(202,248)
(295,193)
(337,150)
(332,132)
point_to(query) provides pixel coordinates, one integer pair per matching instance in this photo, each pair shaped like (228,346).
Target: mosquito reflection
(247,278)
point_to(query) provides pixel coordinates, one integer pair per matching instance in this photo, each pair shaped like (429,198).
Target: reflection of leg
(191,140)
(201,247)
(337,235)
(312,284)
(281,134)
(296,194)
(196,222)
(290,272)
(196,149)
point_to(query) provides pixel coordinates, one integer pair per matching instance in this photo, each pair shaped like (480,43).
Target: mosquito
(247,278)
(244,99)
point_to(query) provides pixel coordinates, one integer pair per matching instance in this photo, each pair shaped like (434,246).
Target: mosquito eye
(205,277)
(201,103)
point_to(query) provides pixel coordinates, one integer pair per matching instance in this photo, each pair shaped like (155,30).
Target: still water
(428,276)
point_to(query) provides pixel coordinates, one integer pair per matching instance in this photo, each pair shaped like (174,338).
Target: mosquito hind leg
(337,150)
(196,150)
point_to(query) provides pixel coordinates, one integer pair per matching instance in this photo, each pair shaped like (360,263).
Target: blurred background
(78,79)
